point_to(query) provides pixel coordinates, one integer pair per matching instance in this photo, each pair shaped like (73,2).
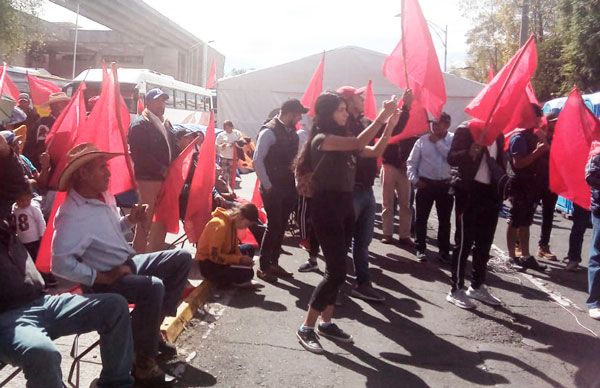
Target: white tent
(247,99)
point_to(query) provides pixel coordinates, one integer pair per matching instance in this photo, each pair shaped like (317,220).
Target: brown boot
(545,253)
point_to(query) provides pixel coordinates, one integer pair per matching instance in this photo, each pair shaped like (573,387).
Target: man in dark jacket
(276,150)
(477,206)
(365,206)
(592,176)
(31,123)
(153,147)
(30,320)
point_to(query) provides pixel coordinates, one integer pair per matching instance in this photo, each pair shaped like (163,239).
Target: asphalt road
(541,336)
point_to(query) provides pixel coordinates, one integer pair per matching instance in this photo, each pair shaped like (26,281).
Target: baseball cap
(155,94)
(23,96)
(293,105)
(9,136)
(349,91)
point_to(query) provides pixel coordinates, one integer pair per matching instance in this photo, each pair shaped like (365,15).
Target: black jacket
(464,168)
(592,177)
(149,150)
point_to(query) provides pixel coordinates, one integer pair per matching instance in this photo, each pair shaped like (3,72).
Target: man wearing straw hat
(89,248)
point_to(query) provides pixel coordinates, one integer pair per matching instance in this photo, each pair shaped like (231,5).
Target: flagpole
(482,136)
(404,45)
(113,67)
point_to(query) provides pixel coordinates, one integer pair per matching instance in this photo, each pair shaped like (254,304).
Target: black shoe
(531,263)
(421,256)
(166,349)
(310,341)
(334,332)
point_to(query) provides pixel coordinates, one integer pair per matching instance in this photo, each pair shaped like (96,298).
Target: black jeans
(223,274)
(434,191)
(581,221)
(278,204)
(332,215)
(548,205)
(477,209)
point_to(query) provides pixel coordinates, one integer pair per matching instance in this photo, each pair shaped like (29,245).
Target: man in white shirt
(226,147)
(429,171)
(89,248)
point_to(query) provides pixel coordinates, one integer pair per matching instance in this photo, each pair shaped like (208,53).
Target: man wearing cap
(31,122)
(89,248)
(153,147)
(57,103)
(276,150)
(365,206)
(429,171)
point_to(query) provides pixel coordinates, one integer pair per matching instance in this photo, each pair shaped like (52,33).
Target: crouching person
(221,257)
(30,320)
(89,247)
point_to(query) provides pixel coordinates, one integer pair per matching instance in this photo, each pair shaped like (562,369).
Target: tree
(16,27)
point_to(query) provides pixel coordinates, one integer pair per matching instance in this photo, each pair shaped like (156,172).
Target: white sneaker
(460,299)
(483,295)
(594,313)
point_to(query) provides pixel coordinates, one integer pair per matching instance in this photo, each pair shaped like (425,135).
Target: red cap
(349,91)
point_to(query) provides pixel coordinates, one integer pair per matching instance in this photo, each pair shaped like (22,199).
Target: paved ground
(540,337)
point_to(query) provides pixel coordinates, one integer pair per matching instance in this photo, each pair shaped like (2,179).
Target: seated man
(29,320)
(221,258)
(89,248)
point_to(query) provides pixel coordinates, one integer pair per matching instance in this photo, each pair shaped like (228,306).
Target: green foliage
(17,31)
(567,35)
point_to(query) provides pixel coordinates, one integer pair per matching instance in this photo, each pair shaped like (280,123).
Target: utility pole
(524,22)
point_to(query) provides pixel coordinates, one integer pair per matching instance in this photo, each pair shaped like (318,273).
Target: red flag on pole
(167,204)
(107,127)
(575,130)
(7,86)
(315,88)
(505,95)
(370,107)
(212,76)
(40,89)
(414,63)
(63,133)
(200,200)
(43,262)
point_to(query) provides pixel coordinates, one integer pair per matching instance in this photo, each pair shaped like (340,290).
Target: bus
(187,104)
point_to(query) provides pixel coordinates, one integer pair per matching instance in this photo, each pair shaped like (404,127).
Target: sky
(264,33)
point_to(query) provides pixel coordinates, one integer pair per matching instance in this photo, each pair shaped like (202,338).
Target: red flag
(7,86)
(63,133)
(107,127)
(200,200)
(370,108)
(414,63)
(499,101)
(212,76)
(43,262)
(167,204)
(40,89)
(258,202)
(315,88)
(575,130)
(417,123)
(140,106)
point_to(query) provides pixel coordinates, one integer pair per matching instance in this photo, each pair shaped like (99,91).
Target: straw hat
(77,157)
(57,97)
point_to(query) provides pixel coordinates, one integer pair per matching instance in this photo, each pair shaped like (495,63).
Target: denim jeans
(155,286)
(581,220)
(594,266)
(364,223)
(26,335)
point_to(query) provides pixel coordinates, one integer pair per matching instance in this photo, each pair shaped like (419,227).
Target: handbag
(500,179)
(305,184)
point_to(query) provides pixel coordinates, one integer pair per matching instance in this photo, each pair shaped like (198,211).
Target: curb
(173,326)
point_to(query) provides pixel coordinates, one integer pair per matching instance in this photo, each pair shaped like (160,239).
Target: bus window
(179,99)
(190,101)
(170,101)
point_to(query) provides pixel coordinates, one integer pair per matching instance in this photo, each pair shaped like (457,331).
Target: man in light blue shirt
(88,247)
(429,171)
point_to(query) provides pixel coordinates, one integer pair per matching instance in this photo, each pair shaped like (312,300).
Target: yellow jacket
(219,238)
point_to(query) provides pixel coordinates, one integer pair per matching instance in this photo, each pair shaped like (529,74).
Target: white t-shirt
(484,175)
(224,138)
(29,222)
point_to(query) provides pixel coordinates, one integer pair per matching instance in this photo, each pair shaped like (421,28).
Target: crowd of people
(325,175)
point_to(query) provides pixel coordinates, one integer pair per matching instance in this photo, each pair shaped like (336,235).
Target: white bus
(187,104)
